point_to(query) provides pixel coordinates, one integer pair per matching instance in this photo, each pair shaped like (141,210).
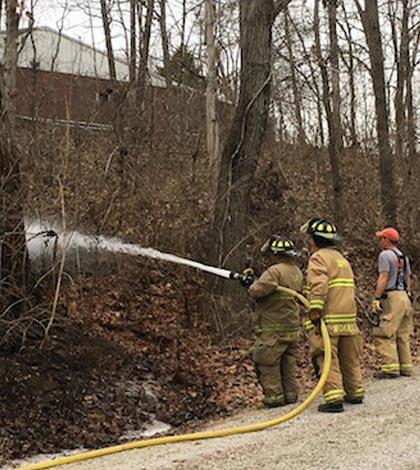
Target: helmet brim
(304,228)
(333,237)
(265,247)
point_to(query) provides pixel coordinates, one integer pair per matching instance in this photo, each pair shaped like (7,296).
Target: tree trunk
(370,20)
(106,22)
(333,144)
(145,45)
(412,137)
(133,39)
(14,262)
(242,148)
(352,85)
(165,44)
(335,74)
(296,92)
(212,122)
(314,87)
(401,59)
(138,123)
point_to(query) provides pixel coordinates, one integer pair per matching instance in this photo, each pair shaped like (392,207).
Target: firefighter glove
(315,316)
(373,318)
(376,305)
(247,277)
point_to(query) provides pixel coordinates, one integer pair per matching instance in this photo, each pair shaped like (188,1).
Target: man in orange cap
(393,304)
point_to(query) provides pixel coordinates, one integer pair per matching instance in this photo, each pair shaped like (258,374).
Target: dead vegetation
(130,340)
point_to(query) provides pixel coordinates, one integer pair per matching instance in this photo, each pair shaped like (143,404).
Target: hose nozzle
(246,278)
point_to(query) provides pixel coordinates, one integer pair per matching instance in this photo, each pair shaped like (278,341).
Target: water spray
(117,246)
(41,234)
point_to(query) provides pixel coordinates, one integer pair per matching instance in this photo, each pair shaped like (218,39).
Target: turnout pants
(275,361)
(392,337)
(345,376)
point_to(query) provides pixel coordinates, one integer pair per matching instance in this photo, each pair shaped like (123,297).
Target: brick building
(64,80)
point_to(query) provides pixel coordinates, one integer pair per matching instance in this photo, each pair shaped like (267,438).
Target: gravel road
(383,433)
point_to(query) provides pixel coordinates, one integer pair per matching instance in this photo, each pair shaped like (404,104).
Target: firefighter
(393,304)
(276,323)
(330,290)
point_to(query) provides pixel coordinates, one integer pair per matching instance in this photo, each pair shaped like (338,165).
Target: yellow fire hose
(205,434)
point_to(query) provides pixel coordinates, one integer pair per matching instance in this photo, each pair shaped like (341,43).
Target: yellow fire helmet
(322,228)
(279,245)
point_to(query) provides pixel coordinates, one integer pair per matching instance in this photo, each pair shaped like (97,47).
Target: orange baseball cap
(390,233)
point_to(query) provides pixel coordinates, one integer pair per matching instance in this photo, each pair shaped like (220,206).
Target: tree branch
(280,5)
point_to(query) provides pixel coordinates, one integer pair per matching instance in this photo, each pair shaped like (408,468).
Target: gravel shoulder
(383,433)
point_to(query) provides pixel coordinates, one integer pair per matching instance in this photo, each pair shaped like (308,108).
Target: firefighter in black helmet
(330,291)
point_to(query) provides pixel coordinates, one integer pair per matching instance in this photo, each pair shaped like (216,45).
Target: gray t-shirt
(388,261)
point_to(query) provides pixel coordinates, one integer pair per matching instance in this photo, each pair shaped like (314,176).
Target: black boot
(331,407)
(354,401)
(384,375)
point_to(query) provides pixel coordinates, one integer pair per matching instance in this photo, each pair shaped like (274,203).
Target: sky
(74,20)
(81,19)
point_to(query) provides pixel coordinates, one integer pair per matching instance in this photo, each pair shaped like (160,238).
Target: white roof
(54,51)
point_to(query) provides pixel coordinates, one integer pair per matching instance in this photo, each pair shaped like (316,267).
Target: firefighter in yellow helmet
(276,323)
(330,291)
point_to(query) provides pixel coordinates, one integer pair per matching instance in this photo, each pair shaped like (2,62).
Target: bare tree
(370,20)
(106,22)
(165,44)
(401,52)
(242,148)
(295,87)
(145,44)
(349,62)
(212,122)
(333,128)
(412,135)
(14,263)
(335,73)
(133,41)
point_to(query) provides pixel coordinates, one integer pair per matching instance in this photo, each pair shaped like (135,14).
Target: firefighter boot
(273,401)
(331,407)
(384,375)
(353,400)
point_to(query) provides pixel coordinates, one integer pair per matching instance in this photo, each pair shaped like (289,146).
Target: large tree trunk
(242,148)
(241,151)
(370,20)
